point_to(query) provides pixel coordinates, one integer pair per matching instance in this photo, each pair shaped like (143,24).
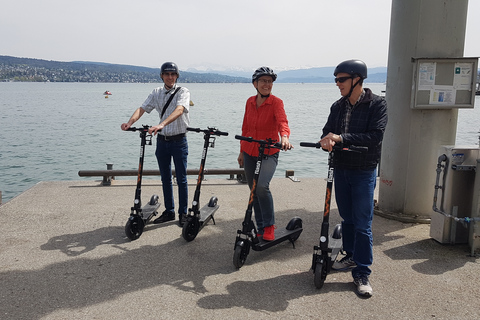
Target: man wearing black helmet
(264,118)
(359,118)
(172,103)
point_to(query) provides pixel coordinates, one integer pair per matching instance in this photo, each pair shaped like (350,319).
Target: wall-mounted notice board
(444,83)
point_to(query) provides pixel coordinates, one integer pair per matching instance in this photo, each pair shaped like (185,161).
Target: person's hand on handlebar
(329,141)
(155,129)
(286,145)
(125,126)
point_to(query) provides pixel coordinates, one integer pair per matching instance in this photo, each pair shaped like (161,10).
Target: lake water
(50,131)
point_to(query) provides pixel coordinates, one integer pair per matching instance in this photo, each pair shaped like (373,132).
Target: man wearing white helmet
(172,103)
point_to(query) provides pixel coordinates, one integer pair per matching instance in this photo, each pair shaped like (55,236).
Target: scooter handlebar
(340,147)
(310,144)
(143,128)
(211,131)
(248,139)
(268,142)
(358,149)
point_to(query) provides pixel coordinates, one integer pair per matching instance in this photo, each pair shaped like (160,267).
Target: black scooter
(325,254)
(139,217)
(247,237)
(197,218)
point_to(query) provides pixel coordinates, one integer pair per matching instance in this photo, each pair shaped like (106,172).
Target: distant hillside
(311,75)
(36,70)
(325,75)
(25,69)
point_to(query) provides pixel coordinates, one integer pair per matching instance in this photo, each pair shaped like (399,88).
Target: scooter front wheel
(320,273)
(190,228)
(240,254)
(134,227)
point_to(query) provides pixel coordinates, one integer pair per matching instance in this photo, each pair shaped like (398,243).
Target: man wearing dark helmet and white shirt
(172,103)
(358,118)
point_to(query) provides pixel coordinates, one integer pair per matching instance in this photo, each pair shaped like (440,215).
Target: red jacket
(267,121)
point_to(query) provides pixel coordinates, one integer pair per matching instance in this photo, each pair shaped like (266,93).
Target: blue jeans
(178,150)
(354,192)
(262,201)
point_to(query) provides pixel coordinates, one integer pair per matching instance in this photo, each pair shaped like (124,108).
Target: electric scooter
(325,254)
(247,237)
(139,217)
(197,218)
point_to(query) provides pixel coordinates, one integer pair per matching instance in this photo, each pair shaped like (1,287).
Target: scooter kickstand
(292,242)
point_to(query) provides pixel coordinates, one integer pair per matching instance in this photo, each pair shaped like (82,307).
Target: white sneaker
(344,264)
(363,286)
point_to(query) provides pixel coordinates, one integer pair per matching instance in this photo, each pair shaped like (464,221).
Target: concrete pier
(64,255)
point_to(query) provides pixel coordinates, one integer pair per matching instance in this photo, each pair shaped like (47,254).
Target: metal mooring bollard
(107,180)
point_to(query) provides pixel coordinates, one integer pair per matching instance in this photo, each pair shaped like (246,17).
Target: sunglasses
(342,79)
(265,81)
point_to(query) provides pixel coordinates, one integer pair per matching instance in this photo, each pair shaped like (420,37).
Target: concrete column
(419,29)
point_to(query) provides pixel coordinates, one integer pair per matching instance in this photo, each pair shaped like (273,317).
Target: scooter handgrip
(238,137)
(310,144)
(221,133)
(194,129)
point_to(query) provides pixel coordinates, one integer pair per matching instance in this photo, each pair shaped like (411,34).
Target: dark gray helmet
(352,67)
(169,67)
(263,71)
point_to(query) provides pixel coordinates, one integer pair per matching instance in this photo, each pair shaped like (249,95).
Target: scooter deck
(206,213)
(149,210)
(280,236)
(336,246)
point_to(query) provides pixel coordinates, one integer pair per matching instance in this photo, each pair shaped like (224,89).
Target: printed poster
(462,79)
(442,95)
(426,75)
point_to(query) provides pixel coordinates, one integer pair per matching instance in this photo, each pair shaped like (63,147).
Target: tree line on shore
(37,70)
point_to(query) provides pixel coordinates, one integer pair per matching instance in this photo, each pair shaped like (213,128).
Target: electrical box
(457,194)
(444,83)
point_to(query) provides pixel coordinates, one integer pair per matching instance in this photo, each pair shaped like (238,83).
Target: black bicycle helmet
(169,67)
(352,67)
(263,71)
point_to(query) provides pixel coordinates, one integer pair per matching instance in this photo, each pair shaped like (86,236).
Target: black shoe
(166,216)
(181,219)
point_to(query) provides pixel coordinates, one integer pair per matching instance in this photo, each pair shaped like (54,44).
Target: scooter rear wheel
(320,273)
(337,232)
(153,200)
(295,223)
(213,201)
(190,228)
(134,227)
(240,254)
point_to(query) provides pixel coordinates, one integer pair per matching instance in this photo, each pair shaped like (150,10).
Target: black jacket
(366,128)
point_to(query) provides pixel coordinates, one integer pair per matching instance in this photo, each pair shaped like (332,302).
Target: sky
(215,34)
